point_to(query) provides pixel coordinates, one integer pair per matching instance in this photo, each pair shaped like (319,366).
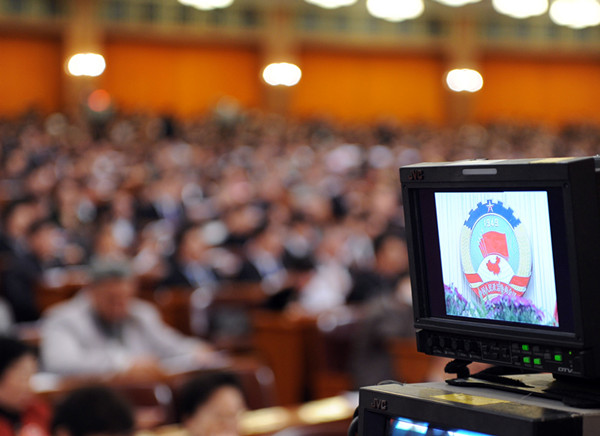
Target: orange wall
(30,74)
(548,91)
(188,79)
(368,86)
(180,79)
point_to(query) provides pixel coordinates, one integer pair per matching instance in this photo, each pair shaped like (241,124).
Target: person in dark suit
(24,266)
(388,272)
(382,295)
(263,261)
(189,266)
(300,270)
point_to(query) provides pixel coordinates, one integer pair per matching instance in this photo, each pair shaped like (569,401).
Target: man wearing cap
(106,330)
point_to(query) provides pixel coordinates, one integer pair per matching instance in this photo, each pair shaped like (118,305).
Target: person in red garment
(21,412)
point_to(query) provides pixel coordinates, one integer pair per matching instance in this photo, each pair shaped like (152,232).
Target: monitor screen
(496,256)
(408,427)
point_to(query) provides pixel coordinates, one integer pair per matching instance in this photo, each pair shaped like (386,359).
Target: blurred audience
(21,412)
(106,330)
(93,411)
(198,202)
(212,405)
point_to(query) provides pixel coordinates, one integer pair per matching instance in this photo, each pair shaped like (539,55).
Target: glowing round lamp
(575,13)
(520,8)
(207,5)
(456,3)
(394,10)
(464,80)
(282,73)
(331,4)
(86,64)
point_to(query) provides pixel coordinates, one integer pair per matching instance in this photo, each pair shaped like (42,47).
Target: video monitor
(504,261)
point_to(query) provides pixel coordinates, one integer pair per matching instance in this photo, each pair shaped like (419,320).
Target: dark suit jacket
(19,277)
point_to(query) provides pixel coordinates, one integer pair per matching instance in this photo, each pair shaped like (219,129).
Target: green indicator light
(525,347)
(558,357)
(537,361)
(527,359)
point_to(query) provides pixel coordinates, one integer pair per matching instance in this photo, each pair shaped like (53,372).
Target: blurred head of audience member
(17,218)
(45,242)
(192,247)
(190,266)
(391,255)
(388,276)
(264,258)
(41,180)
(112,241)
(212,405)
(21,412)
(301,269)
(93,411)
(112,290)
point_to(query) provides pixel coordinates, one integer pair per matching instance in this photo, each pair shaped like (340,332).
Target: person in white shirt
(105,329)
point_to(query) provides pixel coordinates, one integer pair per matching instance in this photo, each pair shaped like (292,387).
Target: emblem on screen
(495,251)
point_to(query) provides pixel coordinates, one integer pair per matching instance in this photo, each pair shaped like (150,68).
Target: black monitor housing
(505,261)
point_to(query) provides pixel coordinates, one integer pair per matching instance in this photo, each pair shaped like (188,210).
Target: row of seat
(155,400)
(309,358)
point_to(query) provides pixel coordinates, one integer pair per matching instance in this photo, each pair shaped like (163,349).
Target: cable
(353,429)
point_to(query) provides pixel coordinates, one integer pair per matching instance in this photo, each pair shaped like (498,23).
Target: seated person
(300,271)
(212,405)
(23,265)
(106,330)
(21,413)
(93,411)
(383,296)
(388,275)
(189,265)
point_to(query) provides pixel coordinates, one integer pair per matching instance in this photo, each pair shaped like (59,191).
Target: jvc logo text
(379,404)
